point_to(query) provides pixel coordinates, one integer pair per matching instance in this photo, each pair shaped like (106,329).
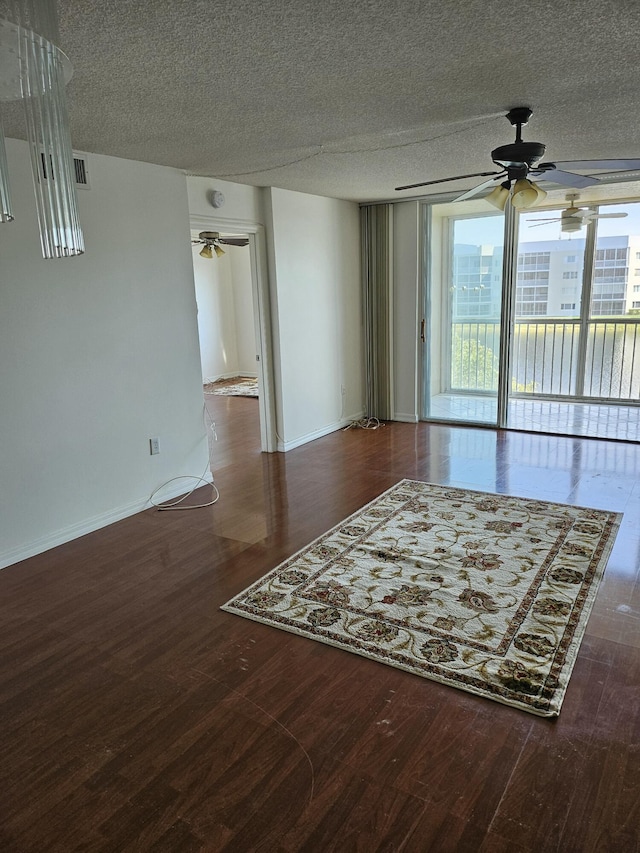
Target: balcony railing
(549,358)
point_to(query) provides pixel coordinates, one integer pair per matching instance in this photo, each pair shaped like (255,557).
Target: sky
(488,230)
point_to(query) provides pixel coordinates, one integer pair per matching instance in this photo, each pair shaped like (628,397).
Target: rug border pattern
(565,655)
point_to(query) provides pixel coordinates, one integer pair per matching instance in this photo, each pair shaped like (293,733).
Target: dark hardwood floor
(135,715)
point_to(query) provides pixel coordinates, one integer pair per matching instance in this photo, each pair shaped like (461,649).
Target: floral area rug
(483,592)
(242,386)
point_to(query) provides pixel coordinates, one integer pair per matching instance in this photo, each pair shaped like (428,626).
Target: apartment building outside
(550,277)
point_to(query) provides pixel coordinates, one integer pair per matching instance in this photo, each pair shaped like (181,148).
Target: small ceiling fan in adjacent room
(574,218)
(519,162)
(211,242)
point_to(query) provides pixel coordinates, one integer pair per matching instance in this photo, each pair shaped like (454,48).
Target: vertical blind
(375,224)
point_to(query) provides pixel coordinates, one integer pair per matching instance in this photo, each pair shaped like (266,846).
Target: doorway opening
(228,351)
(234,325)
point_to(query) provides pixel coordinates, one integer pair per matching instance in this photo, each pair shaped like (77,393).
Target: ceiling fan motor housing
(518,155)
(569,221)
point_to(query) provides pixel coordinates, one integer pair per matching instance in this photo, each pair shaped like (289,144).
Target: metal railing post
(507,314)
(588,268)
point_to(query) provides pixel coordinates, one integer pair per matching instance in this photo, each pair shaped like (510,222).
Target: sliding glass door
(561,348)
(577,341)
(463,327)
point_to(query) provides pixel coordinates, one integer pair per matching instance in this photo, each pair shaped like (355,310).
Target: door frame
(427,297)
(261,313)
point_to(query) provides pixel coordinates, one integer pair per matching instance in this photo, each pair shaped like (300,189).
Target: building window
(567,306)
(611,255)
(604,272)
(570,274)
(535,259)
(614,288)
(528,309)
(605,307)
(539,275)
(635,305)
(537,293)
(571,259)
(636,288)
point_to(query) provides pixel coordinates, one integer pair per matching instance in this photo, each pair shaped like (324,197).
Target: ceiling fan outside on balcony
(574,218)
(519,162)
(211,242)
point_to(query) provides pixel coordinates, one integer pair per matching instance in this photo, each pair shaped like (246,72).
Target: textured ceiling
(347,98)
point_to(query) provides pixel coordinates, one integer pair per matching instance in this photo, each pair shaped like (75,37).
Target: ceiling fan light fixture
(206,252)
(219,252)
(541,193)
(524,194)
(499,195)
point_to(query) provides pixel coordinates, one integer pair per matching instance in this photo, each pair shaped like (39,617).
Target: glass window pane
(475,305)
(618,244)
(465,308)
(547,316)
(612,368)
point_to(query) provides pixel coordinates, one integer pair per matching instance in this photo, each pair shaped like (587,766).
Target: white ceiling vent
(79,167)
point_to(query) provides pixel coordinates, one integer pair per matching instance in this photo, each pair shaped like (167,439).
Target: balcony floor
(594,420)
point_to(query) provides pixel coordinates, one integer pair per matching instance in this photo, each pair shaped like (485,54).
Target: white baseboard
(283,446)
(405,417)
(88,525)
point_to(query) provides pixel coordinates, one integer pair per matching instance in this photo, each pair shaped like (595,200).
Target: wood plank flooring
(135,715)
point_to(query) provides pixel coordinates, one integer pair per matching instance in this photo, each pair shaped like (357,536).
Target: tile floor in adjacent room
(594,420)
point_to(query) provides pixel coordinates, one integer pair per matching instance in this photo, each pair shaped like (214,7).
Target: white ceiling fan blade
(478,189)
(591,214)
(616,165)
(235,241)
(568,179)
(542,222)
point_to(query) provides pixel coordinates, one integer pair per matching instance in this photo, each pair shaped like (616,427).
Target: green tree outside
(475,366)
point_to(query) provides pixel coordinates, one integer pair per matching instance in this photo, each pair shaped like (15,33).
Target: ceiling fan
(574,218)
(519,161)
(211,241)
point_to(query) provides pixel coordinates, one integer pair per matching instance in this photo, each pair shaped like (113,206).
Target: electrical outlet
(154,446)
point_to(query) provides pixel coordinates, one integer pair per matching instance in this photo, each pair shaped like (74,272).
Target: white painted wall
(216,317)
(315,272)
(98,354)
(241,203)
(240,262)
(225,314)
